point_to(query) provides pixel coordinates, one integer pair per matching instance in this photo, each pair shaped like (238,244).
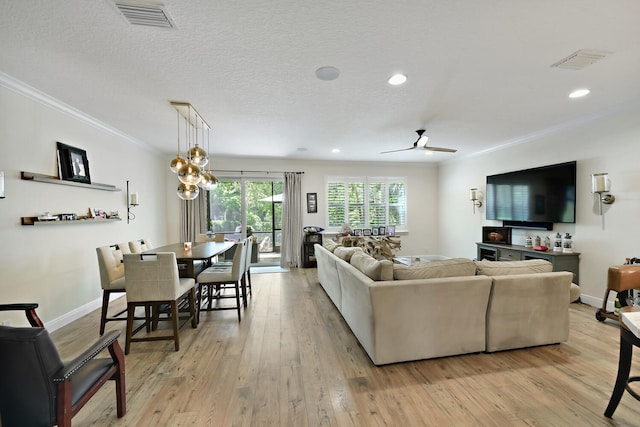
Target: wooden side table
(629,331)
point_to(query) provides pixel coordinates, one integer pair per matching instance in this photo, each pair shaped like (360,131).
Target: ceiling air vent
(580,59)
(148,15)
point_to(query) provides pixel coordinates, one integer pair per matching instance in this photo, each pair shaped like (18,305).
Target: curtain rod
(250,171)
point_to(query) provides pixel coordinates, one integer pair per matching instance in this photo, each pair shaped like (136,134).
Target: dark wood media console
(560,261)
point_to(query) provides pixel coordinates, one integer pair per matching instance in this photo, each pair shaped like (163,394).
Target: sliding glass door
(240,207)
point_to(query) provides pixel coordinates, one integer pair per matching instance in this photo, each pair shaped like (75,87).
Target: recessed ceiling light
(335,150)
(397,79)
(327,73)
(579,93)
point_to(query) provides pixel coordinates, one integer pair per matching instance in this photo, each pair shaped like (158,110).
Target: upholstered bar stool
(214,279)
(153,280)
(111,280)
(137,246)
(619,278)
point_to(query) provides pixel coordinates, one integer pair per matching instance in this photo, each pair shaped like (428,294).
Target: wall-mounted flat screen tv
(543,195)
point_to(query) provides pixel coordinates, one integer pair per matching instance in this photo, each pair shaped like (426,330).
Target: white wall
(606,144)
(422,188)
(56,266)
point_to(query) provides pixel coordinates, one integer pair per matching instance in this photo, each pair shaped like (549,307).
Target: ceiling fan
(424,147)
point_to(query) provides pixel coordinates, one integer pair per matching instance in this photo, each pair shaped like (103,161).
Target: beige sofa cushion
(345,253)
(453,267)
(501,268)
(330,245)
(371,267)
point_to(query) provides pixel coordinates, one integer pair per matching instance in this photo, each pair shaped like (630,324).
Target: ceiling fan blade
(445,150)
(395,151)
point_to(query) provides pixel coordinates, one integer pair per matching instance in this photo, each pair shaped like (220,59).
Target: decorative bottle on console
(566,244)
(557,243)
(528,242)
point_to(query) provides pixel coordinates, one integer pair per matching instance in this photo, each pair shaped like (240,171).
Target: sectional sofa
(442,308)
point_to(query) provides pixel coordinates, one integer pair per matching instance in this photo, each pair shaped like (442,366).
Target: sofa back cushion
(371,267)
(330,245)
(453,267)
(345,253)
(501,268)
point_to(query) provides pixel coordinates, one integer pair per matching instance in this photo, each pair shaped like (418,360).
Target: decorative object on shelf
(312,229)
(48,217)
(601,185)
(557,243)
(566,244)
(391,230)
(475,196)
(97,213)
(73,164)
(190,171)
(132,201)
(346,229)
(312,202)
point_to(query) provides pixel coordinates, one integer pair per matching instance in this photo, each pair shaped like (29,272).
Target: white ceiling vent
(148,15)
(580,59)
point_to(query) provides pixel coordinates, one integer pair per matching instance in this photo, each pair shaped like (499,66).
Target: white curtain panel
(193,218)
(291,252)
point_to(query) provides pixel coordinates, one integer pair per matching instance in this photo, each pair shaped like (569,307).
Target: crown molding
(49,101)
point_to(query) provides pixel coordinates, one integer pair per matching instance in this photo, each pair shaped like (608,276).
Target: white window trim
(366,180)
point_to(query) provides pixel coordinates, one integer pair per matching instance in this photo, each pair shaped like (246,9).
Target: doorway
(249,207)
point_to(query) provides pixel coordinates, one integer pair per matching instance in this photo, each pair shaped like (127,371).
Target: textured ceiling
(479,72)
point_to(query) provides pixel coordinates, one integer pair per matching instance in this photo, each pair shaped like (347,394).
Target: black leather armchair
(39,389)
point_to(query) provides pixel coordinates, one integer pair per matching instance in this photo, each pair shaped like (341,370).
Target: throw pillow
(345,253)
(330,245)
(453,267)
(501,268)
(371,267)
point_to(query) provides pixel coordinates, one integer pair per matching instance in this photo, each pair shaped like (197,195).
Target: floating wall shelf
(33,220)
(30,176)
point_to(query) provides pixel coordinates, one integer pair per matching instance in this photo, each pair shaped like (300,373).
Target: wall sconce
(132,201)
(475,195)
(600,185)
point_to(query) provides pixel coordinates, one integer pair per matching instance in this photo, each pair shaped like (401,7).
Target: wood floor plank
(293,361)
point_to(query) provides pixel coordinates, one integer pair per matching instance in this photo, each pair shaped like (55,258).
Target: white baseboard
(73,315)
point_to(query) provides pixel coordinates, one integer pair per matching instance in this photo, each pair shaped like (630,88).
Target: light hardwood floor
(293,361)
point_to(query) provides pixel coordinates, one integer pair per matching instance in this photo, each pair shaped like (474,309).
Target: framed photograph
(374,231)
(391,230)
(501,235)
(382,231)
(357,232)
(73,164)
(312,202)
(366,232)
(97,213)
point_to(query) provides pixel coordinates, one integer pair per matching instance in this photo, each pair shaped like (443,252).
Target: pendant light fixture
(190,171)
(179,161)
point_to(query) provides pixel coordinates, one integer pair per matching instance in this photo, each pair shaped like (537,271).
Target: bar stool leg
(624,367)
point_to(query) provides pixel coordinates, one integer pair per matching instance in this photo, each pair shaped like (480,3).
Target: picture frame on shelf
(382,231)
(357,232)
(391,230)
(375,231)
(366,232)
(97,213)
(498,235)
(73,164)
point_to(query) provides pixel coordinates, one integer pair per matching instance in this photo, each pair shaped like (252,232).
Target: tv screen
(544,195)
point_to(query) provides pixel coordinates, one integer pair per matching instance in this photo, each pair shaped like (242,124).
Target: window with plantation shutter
(366,202)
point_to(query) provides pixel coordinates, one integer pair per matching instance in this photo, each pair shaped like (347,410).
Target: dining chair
(152,281)
(123,247)
(39,389)
(214,281)
(111,280)
(137,246)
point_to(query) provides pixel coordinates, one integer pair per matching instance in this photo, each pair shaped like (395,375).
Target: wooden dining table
(187,259)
